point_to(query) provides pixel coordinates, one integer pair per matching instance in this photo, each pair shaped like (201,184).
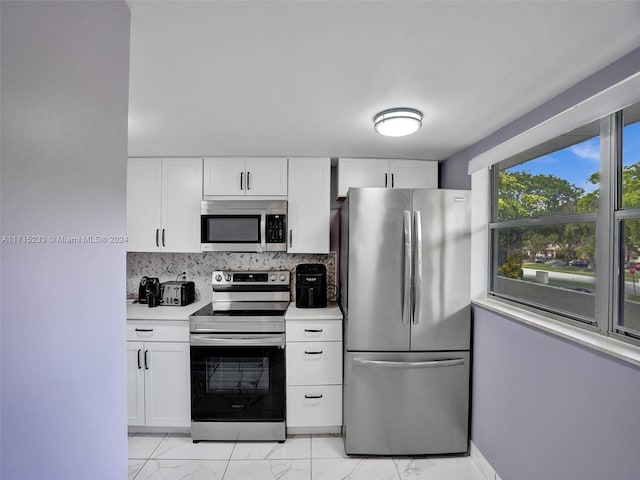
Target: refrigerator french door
(405,295)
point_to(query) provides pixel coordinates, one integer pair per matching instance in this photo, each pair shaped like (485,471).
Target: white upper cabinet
(308,205)
(256,176)
(385,173)
(361,172)
(163,204)
(224,176)
(144,209)
(413,174)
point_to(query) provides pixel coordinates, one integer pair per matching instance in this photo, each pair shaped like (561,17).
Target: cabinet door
(413,174)
(312,363)
(144,214)
(308,207)
(362,172)
(314,406)
(224,176)
(167,385)
(181,196)
(135,383)
(266,176)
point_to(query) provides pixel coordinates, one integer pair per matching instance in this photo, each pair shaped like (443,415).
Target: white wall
(64,89)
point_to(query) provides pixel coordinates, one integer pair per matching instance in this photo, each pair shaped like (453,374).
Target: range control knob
(273,277)
(282,277)
(227,278)
(218,278)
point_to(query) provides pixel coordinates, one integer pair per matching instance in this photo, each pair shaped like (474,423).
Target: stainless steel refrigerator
(404,273)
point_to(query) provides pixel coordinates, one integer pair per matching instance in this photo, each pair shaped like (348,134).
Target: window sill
(595,341)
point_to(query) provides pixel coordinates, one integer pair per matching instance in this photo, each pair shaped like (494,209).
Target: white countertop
(332,312)
(137,311)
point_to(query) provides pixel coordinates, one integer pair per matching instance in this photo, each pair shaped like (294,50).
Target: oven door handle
(206,340)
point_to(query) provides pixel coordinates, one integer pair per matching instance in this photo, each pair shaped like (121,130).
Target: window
(628,226)
(544,229)
(565,228)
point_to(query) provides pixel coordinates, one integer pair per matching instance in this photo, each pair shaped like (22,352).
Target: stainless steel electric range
(237,358)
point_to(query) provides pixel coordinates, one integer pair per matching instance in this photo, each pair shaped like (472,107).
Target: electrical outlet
(184,275)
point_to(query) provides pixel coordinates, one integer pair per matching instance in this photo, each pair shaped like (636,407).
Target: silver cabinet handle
(428,364)
(417,217)
(406,299)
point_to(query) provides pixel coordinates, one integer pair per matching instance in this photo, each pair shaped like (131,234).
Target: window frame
(609,292)
(620,214)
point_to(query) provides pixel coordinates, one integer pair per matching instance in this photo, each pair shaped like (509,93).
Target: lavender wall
(453,172)
(64,88)
(546,408)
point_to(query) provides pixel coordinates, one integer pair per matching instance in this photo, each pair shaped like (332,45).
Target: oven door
(237,377)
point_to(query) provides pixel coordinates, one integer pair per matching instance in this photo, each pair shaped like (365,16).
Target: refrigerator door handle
(406,294)
(417,294)
(429,364)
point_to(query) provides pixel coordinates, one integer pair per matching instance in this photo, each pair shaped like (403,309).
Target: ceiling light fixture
(397,122)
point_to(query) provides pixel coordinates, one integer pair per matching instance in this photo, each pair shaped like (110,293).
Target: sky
(577,162)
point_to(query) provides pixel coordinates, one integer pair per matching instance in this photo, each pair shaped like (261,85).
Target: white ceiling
(305,78)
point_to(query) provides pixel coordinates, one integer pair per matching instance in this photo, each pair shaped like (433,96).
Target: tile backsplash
(167,266)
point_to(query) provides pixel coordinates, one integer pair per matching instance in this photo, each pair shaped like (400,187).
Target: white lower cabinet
(314,375)
(158,385)
(314,406)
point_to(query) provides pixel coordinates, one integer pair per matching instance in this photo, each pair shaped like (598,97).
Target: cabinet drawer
(314,331)
(154,332)
(314,406)
(314,363)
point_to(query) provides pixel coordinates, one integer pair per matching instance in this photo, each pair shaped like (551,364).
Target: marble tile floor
(301,457)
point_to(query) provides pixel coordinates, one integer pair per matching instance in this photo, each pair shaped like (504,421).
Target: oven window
(237,383)
(239,375)
(231,229)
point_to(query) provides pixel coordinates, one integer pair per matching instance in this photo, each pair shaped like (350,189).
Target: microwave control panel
(276,228)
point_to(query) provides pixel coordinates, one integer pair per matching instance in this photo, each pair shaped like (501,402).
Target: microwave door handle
(263,226)
(406,294)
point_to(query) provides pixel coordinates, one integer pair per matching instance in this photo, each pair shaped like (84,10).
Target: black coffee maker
(149,291)
(311,285)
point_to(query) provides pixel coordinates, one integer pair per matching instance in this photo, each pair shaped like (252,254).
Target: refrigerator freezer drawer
(406,403)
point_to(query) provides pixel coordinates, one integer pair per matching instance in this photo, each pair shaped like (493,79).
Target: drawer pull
(144,329)
(313,396)
(311,330)
(313,353)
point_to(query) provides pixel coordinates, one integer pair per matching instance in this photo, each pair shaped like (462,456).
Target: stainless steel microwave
(243,226)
